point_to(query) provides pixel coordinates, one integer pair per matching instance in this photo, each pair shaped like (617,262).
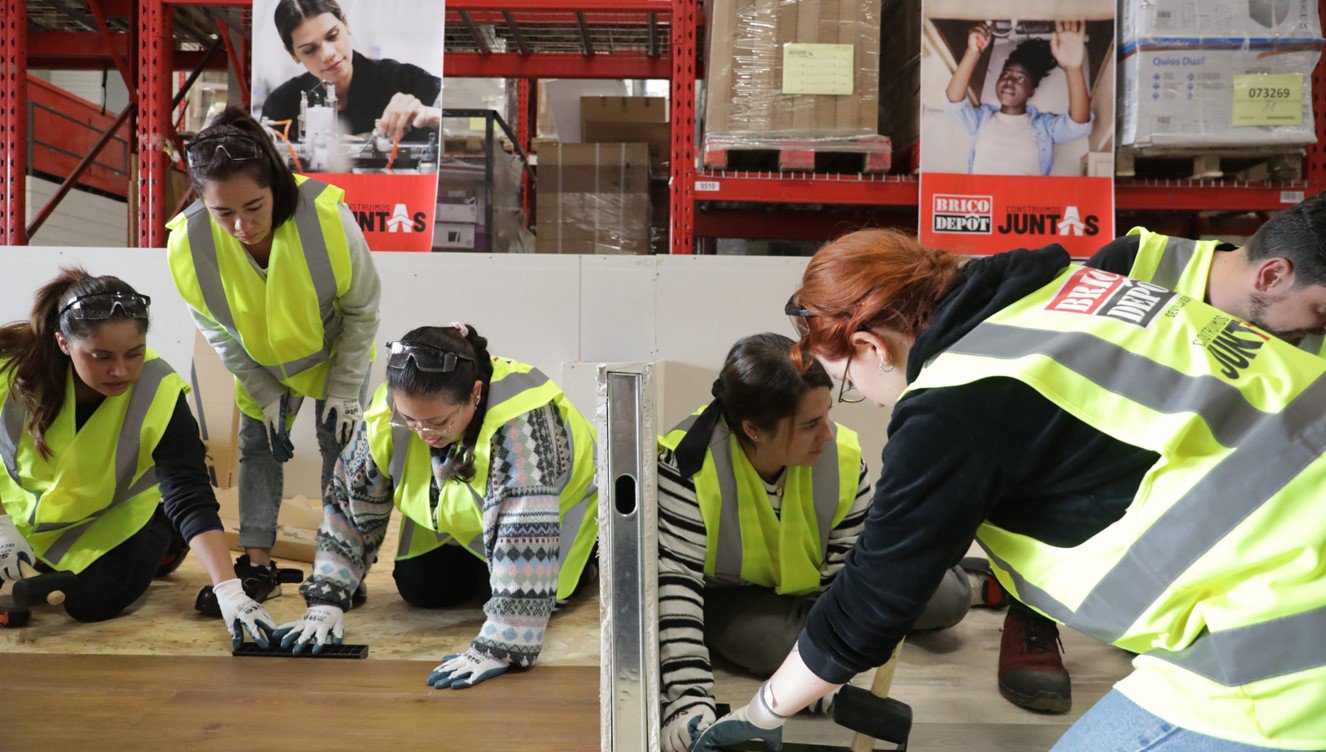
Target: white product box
(1184,96)
(1268,19)
(453,235)
(457,210)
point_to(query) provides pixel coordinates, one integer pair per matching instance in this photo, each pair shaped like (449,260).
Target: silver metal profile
(628,548)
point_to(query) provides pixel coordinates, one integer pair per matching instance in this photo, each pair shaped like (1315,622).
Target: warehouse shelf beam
(13,122)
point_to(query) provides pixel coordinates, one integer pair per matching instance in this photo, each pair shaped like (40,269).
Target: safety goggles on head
(236,147)
(99,306)
(426,357)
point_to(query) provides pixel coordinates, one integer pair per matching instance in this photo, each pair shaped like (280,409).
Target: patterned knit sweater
(688,679)
(531,457)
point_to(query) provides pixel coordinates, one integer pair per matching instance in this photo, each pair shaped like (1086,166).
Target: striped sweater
(531,456)
(687,678)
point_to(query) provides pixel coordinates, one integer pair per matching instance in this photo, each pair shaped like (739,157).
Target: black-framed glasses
(237,147)
(847,392)
(426,357)
(99,306)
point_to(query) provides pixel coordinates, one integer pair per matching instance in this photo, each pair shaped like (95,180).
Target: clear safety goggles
(235,147)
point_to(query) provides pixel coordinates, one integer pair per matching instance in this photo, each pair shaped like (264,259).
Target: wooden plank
(63,702)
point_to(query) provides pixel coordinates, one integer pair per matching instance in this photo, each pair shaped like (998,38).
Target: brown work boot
(1031,671)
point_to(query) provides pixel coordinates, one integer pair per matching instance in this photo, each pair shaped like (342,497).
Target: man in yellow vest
(1276,281)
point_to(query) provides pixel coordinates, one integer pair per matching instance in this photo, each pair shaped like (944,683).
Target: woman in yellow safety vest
(280,281)
(760,497)
(492,468)
(1137,465)
(102,460)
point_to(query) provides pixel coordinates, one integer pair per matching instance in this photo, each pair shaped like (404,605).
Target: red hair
(869,279)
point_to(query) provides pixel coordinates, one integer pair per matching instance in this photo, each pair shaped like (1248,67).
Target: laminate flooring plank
(72,702)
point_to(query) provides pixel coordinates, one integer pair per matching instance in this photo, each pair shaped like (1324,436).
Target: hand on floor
(243,615)
(465,670)
(323,625)
(755,721)
(683,728)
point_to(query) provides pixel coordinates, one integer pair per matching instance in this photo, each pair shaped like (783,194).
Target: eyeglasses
(99,306)
(431,430)
(847,393)
(426,357)
(237,147)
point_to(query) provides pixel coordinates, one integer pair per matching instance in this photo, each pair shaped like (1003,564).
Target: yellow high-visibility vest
(1216,573)
(288,323)
(99,486)
(515,389)
(745,542)
(1184,266)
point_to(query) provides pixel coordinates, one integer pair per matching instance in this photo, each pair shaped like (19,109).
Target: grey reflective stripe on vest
(1270,447)
(728,557)
(1174,259)
(202,249)
(1312,344)
(513,385)
(826,488)
(12,416)
(127,450)
(570,522)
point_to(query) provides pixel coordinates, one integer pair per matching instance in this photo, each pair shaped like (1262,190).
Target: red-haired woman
(1137,465)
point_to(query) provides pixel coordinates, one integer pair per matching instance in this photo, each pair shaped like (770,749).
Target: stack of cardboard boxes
(1218,73)
(593,198)
(789,69)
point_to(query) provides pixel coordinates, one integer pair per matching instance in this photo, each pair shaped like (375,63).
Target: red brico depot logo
(1093,292)
(965,215)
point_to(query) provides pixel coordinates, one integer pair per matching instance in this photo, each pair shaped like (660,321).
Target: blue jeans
(1117,724)
(262,478)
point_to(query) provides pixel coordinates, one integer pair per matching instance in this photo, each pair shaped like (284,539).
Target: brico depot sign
(395,212)
(984,214)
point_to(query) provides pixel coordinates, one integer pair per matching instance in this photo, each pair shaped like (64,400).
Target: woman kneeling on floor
(493,469)
(102,460)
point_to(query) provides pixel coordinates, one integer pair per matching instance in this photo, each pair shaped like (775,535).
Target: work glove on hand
(14,548)
(755,721)
(679,731)
(323,625)
(243,614)
(465,670)
(278,434)
(341,416)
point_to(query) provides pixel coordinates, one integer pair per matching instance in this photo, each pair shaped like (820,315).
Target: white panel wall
(81,219)
(553,311)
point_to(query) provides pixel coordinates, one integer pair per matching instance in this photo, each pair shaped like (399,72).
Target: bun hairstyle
(1035,56)
(30,355)
(269,171)
(869,279)
(759,383)
(455,385)
(291,13)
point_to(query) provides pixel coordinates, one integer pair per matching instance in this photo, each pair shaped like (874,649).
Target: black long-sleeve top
(371,89)
(956,456)
(186,490)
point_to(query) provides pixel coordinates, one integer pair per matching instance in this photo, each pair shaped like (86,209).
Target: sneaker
(260,584)
(175,554)
(1031,669)
(986,592)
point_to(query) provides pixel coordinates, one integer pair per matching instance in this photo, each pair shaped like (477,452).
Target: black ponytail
(270,171)
(456,385)
(29,351)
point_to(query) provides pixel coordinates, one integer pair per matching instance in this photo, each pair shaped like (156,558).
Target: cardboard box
(607,120)
(900,90)
(1177,94)
(296,525)
(748,71)
(594,198)
(457,209)
(1211,19)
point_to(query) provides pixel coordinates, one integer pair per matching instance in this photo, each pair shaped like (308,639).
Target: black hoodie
(992,450)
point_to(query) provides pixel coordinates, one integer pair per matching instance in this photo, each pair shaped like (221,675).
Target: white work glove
(323,625)
(465,670)
(278,435)
(678,732)
(756,720)
(342,416)
(243,614)
(14,548)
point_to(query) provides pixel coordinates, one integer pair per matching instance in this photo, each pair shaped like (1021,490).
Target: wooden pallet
(1248,164)
(867,154)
